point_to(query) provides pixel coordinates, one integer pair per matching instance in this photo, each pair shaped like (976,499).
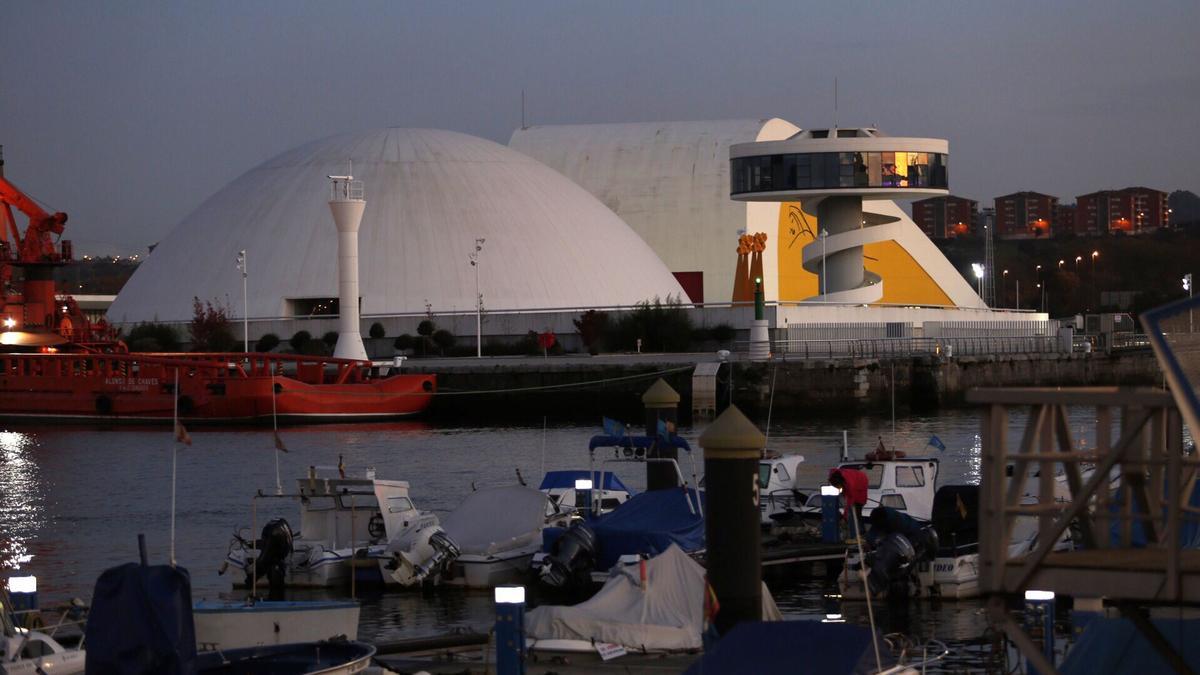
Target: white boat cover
(498,519)
(666,615)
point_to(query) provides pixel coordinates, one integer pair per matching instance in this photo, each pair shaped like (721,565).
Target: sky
(128,115)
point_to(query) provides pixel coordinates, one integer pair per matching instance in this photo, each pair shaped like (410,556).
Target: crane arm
(36,244)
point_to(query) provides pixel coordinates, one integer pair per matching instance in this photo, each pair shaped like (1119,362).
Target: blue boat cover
(141,622)
(649,523)
(1116,646)
(1189,527)
(603,441)
(566,479)
(786,648)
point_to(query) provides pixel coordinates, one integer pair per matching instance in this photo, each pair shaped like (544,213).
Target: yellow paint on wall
(904,281)
(797,229)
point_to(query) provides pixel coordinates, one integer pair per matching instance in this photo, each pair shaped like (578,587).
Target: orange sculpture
(749,265)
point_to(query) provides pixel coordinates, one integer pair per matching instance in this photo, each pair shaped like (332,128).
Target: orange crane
(33,308)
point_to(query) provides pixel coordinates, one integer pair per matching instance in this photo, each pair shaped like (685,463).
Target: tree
(592,326)
(330,338)
(444,339)
(404,342)
(266,343)
(153,337)
(377,331)
(301,338)
(426,327)
(210,329)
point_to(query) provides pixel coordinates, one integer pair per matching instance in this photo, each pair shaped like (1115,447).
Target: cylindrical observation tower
(831,172)
(346,203)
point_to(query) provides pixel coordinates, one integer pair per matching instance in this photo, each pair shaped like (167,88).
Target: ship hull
(211,387)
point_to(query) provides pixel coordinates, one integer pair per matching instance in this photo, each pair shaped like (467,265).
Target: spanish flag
(181,434)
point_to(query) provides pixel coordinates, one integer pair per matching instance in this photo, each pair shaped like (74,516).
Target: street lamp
(1077,259)
(1061,263)
(241,265)
(1004,283)
(978,270)
(474,256)
(1188,286)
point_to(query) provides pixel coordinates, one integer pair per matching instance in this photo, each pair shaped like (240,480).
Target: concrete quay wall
(526,389)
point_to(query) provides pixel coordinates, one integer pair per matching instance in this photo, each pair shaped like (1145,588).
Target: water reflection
(21,499)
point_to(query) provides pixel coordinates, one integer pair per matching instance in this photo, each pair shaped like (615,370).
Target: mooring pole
(662,404)
(732,448)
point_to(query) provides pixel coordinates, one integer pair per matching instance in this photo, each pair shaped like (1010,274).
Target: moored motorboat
(345,526)
(333,657)
(32,652)
(233,624)
(497,531)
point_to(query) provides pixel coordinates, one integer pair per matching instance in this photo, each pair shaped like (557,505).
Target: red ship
(63,366)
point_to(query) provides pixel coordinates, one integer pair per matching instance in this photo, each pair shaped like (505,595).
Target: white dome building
(430,194)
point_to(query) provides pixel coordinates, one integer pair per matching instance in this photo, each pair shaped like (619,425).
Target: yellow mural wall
(905,282)
(797,229)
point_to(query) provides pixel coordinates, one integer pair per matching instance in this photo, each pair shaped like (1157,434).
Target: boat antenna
(892,386)
(543,445)
(771,405)
(174,455)
(523,110)
(278,441)
(862,562)
(835,103)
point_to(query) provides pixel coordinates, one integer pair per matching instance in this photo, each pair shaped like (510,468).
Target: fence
(883,348)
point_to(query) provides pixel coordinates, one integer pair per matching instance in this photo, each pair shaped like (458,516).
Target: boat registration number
(943,567)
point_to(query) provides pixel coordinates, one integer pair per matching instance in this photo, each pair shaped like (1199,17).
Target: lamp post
(1077,259)
(1061,263)
(474,256)
(1188,286)
(241,265)
(1004,284)
(978,270)
(1041,305)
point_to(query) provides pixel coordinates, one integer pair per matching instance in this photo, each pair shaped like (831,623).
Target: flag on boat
(665,429)
(279,443)
(936,442)
(181,434)
(613,427)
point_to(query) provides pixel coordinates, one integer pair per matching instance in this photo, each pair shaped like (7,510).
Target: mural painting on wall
(749,265)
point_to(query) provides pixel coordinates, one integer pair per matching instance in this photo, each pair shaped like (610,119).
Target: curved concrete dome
(430,194)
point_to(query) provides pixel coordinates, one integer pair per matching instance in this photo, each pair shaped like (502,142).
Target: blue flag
(936,442)
(665,430)
(613,427)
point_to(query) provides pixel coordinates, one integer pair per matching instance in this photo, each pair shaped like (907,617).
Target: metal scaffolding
(1128,502)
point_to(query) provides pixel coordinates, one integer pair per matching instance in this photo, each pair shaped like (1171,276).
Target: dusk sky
(128,115)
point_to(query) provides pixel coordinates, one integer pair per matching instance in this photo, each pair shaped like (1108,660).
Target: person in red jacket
(853,484)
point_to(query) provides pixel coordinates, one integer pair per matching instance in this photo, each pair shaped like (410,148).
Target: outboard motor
(444,552)
(572,558)
(275,550)
(421,554)
(899,542)
(890,561)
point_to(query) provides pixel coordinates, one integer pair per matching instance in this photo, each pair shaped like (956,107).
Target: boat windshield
(357,500)
(764,475)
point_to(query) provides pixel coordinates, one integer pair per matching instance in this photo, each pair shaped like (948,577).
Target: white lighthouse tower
(346,203)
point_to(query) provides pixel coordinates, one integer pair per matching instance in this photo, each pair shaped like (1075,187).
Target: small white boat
(32,652)
(345,524)
(560,487)
(331,657)
(778,485)
(230,624)
(497,531)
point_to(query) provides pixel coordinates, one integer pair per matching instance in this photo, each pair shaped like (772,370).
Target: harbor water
(73,499)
